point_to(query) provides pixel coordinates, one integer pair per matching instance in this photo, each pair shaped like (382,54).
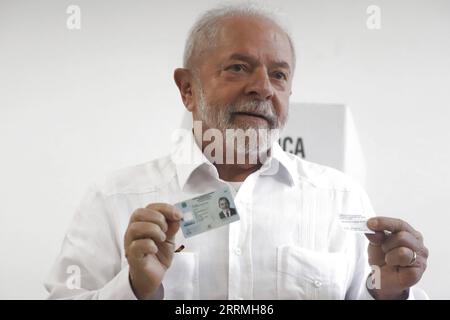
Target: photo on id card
(206,212)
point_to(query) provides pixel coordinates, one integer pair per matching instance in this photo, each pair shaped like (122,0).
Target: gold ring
(414,258)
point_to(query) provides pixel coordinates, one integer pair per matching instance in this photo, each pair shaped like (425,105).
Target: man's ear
(183,79)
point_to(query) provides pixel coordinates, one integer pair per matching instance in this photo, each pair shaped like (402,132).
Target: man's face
(223,204)
(245,81)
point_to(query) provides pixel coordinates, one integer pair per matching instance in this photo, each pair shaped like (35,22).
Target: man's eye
(237,68)
(280,75)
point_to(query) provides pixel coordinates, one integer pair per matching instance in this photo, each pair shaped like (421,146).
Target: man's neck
(230,172)
(236,172)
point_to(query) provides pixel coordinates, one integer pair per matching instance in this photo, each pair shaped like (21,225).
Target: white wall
(77,104)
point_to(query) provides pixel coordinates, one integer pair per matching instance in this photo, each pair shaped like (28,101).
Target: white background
(75,105)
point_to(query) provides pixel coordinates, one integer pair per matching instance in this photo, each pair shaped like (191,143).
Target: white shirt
(235,184)
(287,244)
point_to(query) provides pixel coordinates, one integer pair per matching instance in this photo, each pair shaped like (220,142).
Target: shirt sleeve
(89,265)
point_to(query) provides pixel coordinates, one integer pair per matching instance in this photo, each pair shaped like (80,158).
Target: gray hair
(204,32)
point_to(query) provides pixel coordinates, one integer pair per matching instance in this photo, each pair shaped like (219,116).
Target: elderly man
(288,244)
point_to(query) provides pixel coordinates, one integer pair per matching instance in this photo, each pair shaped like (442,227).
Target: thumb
(173,227)
(376,238)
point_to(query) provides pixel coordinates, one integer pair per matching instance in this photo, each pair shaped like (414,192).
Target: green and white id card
(206,212)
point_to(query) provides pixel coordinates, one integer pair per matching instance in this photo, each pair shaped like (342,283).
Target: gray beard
(257,140)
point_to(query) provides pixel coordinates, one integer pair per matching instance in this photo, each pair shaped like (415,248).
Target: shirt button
(237,251)
(317,284)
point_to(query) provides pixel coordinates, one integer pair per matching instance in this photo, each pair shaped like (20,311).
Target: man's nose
(259,85)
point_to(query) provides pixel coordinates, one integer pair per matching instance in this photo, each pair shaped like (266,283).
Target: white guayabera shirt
(288,243)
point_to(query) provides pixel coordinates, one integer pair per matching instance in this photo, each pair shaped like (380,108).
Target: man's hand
(394,253)
(149,246)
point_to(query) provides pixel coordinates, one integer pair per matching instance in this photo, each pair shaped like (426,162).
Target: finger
(401,256)
(410,275)
(376,255)
(150,215)
(171,213)
(376,238)
(390,224)
(140,248)
(144,230)
(420,263)
(424,252)
(173,216)
(418,235)
(401,239)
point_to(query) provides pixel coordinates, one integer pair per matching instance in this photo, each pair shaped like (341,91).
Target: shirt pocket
(181,279)
(308,275)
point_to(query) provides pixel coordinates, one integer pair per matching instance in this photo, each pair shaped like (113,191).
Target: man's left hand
(400,253)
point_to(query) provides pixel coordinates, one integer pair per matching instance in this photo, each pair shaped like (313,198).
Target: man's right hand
(150,245)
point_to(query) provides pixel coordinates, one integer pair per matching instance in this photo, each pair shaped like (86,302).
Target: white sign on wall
(325,134)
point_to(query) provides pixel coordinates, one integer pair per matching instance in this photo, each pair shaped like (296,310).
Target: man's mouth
(251,114)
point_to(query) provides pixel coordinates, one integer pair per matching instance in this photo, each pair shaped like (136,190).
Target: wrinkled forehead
(254,36)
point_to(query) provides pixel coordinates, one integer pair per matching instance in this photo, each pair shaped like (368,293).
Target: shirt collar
(188,157)
(281,164)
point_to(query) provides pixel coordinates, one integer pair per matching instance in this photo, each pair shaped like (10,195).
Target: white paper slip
(206,212)
(354,223)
